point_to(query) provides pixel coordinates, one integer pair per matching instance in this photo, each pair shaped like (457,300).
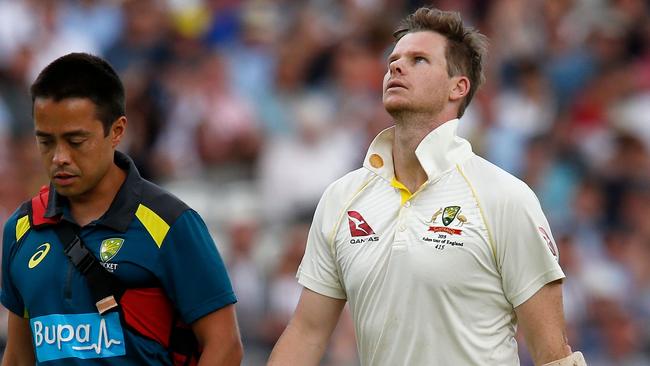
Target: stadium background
(248,109)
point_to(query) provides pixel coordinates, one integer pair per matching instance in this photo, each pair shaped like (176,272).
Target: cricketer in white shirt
(432,277)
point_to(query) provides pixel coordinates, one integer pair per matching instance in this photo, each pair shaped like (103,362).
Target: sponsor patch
(358,225)
(82,336)
(547,238)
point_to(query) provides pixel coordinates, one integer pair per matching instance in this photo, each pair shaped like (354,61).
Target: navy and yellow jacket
(147,238)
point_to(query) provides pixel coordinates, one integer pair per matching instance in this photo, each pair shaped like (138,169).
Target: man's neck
(93,204)
(409,132)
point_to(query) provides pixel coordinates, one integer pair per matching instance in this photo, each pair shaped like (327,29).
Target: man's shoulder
(17,225)
(349,185)
(493,185)
(340,194)
(20,214)
(161,202)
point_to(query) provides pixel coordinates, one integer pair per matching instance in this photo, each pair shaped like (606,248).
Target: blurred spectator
(51,39)
(14,92)
(284,290)
(101,21)
(248,283)
(227,131)
(524,110)
(209,126)
(294,171)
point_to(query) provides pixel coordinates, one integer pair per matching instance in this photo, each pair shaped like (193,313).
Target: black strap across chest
(105,287)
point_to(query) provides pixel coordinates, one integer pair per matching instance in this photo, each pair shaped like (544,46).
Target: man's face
(71,141)
(417,78)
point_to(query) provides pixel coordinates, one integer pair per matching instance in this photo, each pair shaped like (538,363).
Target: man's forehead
(70,101)
(421,41)
(64,115)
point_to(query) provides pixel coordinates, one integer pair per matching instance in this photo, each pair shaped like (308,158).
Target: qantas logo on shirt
(358,225)
(359,229)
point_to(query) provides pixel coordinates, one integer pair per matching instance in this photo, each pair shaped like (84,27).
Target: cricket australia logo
(359,227)
(448,215)
(107,250)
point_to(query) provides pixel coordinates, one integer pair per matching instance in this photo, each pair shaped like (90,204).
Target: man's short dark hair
(80,75)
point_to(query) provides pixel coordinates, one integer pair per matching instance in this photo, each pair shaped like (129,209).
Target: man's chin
(392,104)
(395,108)
(66,191)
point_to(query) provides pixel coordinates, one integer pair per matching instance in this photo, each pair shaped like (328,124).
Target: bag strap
(105,287)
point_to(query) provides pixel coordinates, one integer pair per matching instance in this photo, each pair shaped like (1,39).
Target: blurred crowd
(248,109)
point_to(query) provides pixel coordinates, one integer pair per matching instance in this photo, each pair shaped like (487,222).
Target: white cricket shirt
(431,278)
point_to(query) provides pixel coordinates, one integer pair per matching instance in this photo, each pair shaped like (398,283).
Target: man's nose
(396,67)
(61,155)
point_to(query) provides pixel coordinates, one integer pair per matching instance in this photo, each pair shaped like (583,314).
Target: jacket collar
(122,209)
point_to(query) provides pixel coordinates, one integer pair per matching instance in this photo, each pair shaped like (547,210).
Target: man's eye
(45,143)
(76,142)
(419,59)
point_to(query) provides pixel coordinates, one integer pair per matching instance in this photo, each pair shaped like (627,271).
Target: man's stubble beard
(407,115)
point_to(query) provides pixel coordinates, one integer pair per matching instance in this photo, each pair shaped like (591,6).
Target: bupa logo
(358,225)
(82,336)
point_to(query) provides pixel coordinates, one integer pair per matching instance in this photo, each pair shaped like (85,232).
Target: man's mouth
(395,84)
(63,179)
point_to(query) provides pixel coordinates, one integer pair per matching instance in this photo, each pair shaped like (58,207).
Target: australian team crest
(109,248)
(449,214)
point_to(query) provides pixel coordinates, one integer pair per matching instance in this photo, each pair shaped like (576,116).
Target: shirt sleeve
(318,270)
(10,296)
(526,252)
(191,269)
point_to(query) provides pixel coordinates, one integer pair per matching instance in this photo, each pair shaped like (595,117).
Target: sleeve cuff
(321,288)
(536,285)
(12,306)
(209,306)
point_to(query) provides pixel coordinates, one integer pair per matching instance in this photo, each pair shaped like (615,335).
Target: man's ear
(460,88)
(117,131)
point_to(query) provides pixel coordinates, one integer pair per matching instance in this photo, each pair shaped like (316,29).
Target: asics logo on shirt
(40,254)
(358,225)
